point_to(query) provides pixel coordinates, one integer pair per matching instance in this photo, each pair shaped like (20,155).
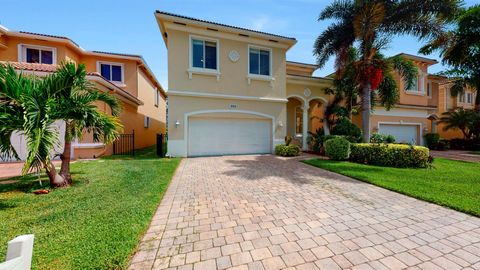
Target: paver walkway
(456,155)
(267,212)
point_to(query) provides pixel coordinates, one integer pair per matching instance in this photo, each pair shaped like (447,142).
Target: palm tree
(459,119)
(460,49)
(77,108)
(26,105)
(370,24)
(32,105)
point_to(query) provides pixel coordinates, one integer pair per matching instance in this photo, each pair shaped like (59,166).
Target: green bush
(346,128)
(287,150)
(443,145)
(337,148)
(382,138)
(432,140)
(390,155)
(348,138)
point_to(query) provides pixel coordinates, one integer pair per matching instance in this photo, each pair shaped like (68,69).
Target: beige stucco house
(232,91)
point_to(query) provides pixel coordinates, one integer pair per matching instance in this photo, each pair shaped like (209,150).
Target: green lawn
(455,184)
(97,223)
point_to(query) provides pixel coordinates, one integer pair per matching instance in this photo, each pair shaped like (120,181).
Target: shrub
(337,148)
(382,138)
(443,145)
(287,150)
(465,144)
(390,155)
(346,128)
(315,140)
(432,139)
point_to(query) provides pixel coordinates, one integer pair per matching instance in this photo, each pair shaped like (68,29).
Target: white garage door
(402,133)
(228,136)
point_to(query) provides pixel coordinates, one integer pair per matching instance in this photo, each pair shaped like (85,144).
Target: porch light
(280,124)
(177,123)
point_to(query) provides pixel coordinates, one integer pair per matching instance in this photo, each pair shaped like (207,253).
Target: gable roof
(259,34)
(418,58)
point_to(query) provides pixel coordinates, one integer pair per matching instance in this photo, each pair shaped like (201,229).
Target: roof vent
(276,41)
(243,35)
(184,24)
(212,29)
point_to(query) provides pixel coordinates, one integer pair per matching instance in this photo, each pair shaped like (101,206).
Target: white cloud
(266,23)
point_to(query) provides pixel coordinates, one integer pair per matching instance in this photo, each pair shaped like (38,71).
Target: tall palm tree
(77,108)
(460,49)
(31,105)
(370,24)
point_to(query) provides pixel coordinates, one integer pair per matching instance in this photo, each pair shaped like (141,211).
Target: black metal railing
(125,144)
(161,145)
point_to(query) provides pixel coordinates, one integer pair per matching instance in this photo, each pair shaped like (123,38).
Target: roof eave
(161,17)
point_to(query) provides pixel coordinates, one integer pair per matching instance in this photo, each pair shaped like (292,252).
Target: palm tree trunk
(366,107)
(55,179)
(66,158)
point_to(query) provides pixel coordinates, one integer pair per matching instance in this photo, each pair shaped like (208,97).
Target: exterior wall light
(280,123)
(177,123)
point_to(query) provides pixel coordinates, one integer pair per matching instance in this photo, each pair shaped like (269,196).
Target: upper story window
(414,87)
(260,61)
(461,97)
(156,96)
(204,53)
(429,90)
(37,54)
(113,72)
(469,97)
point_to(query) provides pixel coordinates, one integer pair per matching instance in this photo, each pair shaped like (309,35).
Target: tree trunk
(66,158)
(55,179)
(366,108)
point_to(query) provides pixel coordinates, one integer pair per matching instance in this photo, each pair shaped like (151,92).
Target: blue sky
(128,26)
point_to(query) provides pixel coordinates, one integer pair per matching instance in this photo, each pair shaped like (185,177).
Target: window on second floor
(38,54)
(259,61)
(204,54)
(461,97)
(469,98)
(414,87)
(112,71)
(429,90)
(156,96)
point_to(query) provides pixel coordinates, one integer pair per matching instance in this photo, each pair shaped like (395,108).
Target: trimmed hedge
(337,148)
(287,150)
(390,155)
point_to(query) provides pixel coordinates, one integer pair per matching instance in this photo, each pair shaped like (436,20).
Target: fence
(161,145)
(125,144)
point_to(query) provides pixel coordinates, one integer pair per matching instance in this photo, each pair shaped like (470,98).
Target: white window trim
(202,71)
(22,52)
(99,70)
(421,90)
(156,97)
(429,86)
(258,77)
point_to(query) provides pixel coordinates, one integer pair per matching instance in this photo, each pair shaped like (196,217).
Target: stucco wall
(233,79)
(180,106)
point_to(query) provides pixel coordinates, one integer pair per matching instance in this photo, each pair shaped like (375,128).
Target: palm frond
(407,70)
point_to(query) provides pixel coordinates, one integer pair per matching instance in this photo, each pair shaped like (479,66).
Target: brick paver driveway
(266,212)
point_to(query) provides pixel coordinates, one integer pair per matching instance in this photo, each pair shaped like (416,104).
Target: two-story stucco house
(126,76)
(231,90)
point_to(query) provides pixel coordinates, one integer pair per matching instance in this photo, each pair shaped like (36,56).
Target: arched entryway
(304,115)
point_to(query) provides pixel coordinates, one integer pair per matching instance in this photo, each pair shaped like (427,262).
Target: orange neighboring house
(124,75)
(447,103)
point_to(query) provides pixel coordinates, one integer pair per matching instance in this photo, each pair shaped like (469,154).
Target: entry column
(305,126)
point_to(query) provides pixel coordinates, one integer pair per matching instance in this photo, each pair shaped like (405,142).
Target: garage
(402,133)
(214,136)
